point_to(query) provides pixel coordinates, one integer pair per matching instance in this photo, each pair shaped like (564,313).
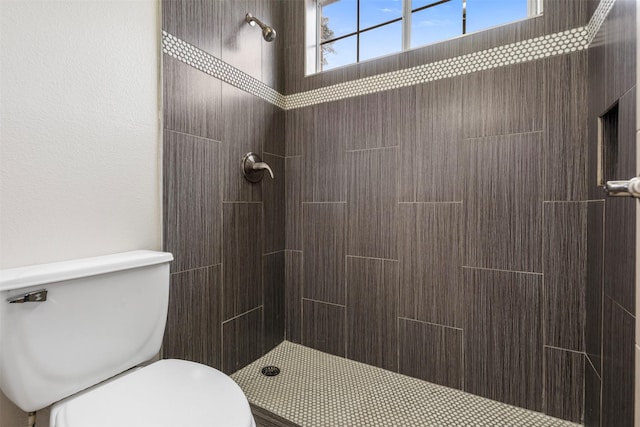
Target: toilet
(75,333)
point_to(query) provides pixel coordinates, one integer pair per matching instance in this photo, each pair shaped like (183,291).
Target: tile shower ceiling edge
(560,43)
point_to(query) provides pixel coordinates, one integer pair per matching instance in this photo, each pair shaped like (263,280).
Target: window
(350,31)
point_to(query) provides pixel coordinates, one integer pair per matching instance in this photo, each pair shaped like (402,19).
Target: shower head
(268,33)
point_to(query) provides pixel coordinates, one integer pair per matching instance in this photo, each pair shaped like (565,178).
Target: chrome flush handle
(36,296)
(630,188)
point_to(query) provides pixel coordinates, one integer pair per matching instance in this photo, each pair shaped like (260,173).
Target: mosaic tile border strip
(549,45)
(322,390)
(215,67)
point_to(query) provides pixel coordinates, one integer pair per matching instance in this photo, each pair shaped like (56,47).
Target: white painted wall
(79,132)
(79,129)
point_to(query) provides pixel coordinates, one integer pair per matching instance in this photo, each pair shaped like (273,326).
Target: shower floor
(319,389)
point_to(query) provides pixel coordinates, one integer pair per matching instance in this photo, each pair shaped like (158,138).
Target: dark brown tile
(323,327)
(382,65)
(241,43)
(431,352)
(564,384)
(192,201)
(619,33)
(560,15)
(429,162)
(274,131)
(430,250)
(618,366)
(502,196)
(273,288)
(194,317)
(503,336)
(299,130)
(242,236)
(273,193)
(325,163)
(293,203)
(565,271)
(293,296)
(372,203)
(504,100)
(191,100)
(372,288)
(264,418)
(620,223)
(324,252)
(271,12)
(194,21)
(242,341)
(387,117)
(596,107)
(294,68)
(594,284)
(293,12)
(241,109)
(565,144)
(592,389)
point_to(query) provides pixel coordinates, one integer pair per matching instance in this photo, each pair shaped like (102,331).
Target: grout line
(297,156)
(358,150)
(196,268)
(573,201)
(274,155)
(563,349)
(324,302)
(431,203)
(321,203)
(621,307)
(274,252)
(191,135)
(430,323)
(586,355)
(370,257)
(239,202)
(504,271)
(242,314)
(479,138)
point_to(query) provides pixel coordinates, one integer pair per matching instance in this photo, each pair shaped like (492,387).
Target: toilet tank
(101,316)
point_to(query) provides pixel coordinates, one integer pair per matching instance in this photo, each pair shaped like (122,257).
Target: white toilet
(70,332)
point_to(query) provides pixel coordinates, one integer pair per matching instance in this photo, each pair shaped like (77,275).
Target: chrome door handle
(630,188)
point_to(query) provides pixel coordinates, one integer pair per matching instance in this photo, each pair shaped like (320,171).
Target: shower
(268,33)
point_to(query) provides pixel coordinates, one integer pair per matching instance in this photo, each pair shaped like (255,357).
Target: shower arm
(252,20)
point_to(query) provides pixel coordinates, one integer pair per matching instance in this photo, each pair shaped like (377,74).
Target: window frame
(314,14)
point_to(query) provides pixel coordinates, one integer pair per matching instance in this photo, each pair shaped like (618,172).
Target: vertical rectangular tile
(242,341)
(429,161)
(274,133)
(194,21)
(431,352)
(566,144)
(504,100)
(323,327)
(194,317)
(503,336)
(620,250)
(502,198)
(192,201)
(273,277)
(388,119)
(618,365)
(243,241)
(241,43)
(273,196)
(430,251)
(372,203)
(564,384)
(565,270)
(325,161)
(191,100)
(293,296)
(594,284)
(324,252)
(293,203)
(372,286)
(592,396)
(299,130)
(243,132)
(561,15)
(271,11)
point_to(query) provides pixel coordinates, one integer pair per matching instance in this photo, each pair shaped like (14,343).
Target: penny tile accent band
(560,43)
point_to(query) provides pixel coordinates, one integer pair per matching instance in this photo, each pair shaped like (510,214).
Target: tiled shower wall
(610,295)
(440,230)
(226,234)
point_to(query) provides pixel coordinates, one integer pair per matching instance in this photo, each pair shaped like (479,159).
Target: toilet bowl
(73,334)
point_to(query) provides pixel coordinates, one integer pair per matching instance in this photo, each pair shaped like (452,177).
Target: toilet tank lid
(22,277)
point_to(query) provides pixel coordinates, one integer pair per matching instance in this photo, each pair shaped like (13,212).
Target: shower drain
(270,371)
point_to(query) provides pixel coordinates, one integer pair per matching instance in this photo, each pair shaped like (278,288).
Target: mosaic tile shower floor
(318,389)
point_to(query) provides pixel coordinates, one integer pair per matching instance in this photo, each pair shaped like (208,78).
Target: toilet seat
(167,393)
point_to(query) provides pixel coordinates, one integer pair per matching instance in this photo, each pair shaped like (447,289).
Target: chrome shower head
(268,33)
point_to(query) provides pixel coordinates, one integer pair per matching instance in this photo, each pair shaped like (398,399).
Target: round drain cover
(270,371)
